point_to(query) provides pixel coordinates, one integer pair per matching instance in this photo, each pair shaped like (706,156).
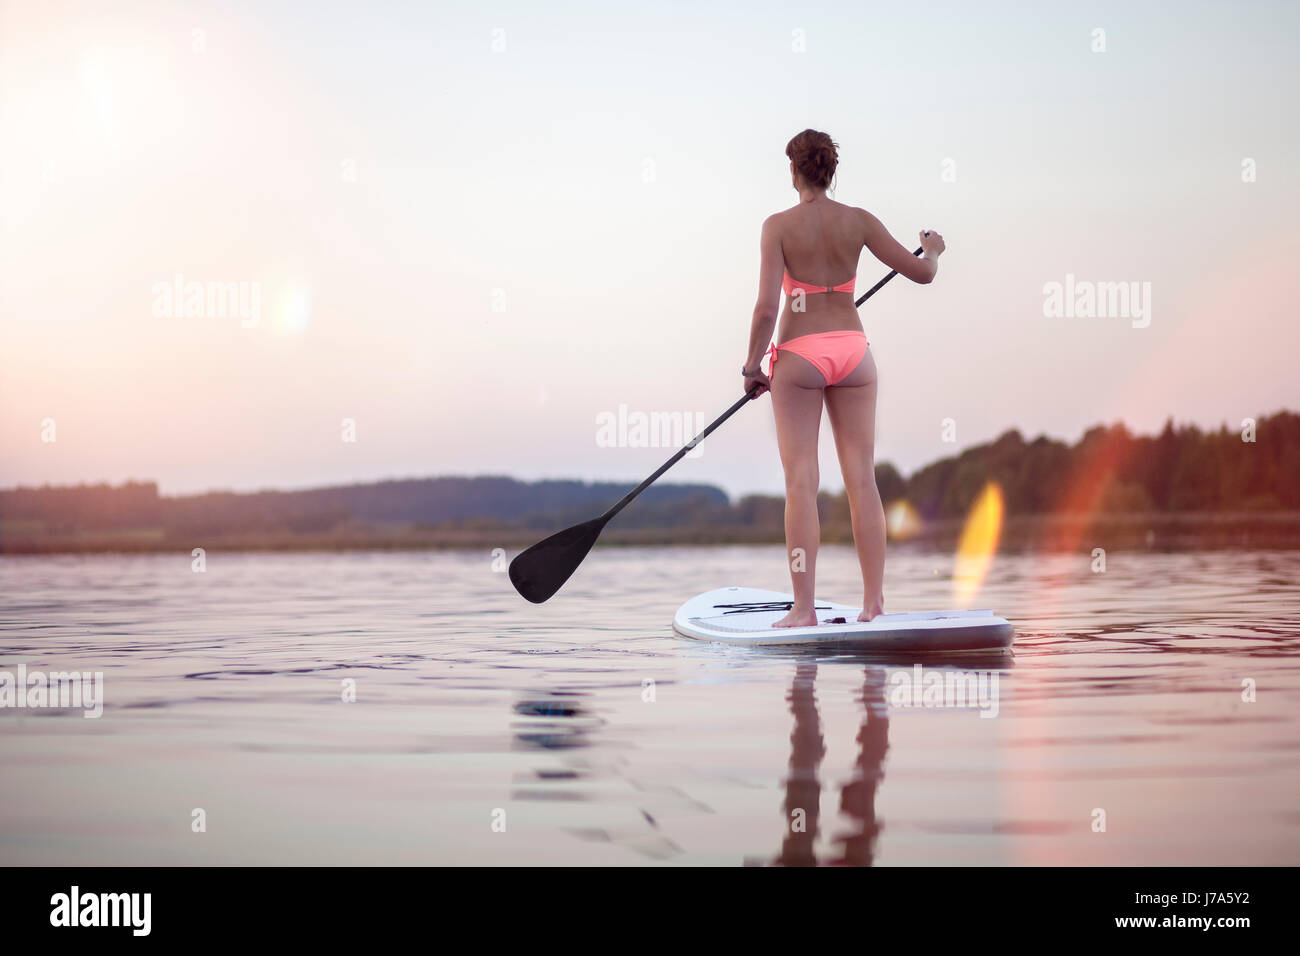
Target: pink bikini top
(791,286)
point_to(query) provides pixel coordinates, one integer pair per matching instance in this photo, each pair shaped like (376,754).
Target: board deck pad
(745,615)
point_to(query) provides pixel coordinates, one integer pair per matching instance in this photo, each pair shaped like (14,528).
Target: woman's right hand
(931,244)
(756,376)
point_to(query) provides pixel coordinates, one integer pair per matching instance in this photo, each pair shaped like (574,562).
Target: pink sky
(380,179)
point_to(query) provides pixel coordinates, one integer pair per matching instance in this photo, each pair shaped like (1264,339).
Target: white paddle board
(745,616)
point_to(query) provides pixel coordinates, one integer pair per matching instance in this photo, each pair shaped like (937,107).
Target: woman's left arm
(771,265)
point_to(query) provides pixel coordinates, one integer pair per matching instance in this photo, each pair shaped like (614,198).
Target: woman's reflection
(857,796)
(802,787)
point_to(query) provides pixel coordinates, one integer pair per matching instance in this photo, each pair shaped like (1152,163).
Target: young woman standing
(824,358)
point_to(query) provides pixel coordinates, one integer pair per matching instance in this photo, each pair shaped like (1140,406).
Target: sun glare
(902,520)
(978,545)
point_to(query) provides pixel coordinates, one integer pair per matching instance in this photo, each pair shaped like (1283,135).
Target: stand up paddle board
(745,616)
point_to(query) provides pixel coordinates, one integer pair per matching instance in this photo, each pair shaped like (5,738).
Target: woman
(824,357)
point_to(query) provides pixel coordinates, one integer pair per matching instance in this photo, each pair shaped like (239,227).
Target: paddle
(541,570)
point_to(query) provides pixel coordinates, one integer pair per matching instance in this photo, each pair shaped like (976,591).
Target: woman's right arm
(895,255)
(771,266)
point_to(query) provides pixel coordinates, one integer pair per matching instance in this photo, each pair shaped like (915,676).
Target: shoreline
(1034,533)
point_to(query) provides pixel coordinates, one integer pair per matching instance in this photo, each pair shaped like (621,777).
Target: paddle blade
(540,571)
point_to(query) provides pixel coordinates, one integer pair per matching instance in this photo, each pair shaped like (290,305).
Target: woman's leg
(852,407)
(797,404)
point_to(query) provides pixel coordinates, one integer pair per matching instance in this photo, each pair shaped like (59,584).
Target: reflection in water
(858,795)
(802,787)
(558,721)
(559,727)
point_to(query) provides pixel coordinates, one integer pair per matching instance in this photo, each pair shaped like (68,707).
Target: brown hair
(815,156)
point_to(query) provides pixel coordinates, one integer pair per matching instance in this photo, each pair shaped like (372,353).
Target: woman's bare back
(821,241)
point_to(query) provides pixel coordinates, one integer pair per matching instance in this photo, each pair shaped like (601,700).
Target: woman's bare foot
(871,609)
(798,617)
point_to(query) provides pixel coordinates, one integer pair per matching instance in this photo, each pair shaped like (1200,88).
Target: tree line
(1108,471)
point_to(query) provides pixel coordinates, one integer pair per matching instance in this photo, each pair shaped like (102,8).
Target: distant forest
(1109,475)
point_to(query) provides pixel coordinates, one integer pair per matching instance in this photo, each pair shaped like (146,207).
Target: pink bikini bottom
(834,354)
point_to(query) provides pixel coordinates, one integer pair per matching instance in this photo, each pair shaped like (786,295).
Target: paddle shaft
(875,288)
(748,396)
(681,453)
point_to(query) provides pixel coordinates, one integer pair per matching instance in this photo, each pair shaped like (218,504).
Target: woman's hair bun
(815,156)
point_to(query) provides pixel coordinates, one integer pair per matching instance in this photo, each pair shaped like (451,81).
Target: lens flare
(902,520)
(99,84)
(293,309)
(978,545)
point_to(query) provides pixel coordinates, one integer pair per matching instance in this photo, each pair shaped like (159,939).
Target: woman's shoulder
(862,218)
(857,211)
(784,217)
(793,215)
(777,223)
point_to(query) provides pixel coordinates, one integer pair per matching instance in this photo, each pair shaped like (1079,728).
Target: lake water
(486,730)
